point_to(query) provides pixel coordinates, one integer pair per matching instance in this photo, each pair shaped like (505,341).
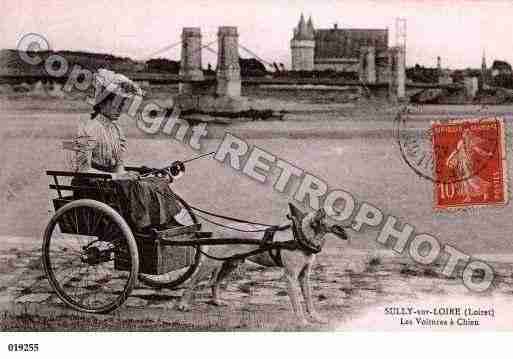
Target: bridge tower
(228,68)
(190,63)
(225,94)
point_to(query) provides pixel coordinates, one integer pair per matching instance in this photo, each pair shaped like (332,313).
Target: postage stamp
(469,163)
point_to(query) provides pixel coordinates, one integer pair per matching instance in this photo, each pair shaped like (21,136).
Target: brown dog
(297,261)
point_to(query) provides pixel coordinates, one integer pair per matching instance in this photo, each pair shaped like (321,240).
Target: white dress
(107,145)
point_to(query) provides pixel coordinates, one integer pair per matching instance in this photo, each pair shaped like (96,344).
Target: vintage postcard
(255,166)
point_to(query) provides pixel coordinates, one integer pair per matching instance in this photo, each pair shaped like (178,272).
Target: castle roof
(309,26)
(346,43)
(304,31)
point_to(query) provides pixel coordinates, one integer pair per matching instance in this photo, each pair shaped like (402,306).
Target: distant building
(501,68)
(484,71)
(364,51)
(444,76)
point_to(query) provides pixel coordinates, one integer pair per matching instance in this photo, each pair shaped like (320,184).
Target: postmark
(414,140)
(469,163)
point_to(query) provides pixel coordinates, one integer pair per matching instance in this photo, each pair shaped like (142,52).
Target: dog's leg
(226,268)
(184,304)
(291,276)
(304,281)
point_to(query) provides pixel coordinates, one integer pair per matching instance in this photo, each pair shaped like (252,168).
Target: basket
(156,258)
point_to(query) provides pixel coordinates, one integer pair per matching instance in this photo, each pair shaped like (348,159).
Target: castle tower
(302,46)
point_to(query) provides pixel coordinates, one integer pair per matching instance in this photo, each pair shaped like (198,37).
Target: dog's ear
(295,212)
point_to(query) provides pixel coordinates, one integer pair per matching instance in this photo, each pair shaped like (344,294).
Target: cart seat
(81,185)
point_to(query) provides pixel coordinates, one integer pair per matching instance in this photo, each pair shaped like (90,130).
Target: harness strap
(274,253)
(235,256)
(276,256)
(269,235)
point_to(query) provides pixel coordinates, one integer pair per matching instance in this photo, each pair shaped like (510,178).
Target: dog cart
(92,254)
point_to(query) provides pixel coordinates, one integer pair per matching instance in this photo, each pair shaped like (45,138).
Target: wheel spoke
(110,230)
(76,221)
(66,277)
(97,223)
(86,220)
(63,251)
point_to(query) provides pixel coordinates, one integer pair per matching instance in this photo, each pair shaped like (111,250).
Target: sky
(458,31)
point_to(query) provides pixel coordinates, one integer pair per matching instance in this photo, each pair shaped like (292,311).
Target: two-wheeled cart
(92,254)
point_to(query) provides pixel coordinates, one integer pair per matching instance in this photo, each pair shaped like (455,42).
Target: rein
(233,219)
(234,228)
(270,227)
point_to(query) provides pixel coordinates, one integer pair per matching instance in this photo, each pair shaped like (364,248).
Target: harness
(296,216)
(300,241)
(274,248)
(274,253)
(276,257)
(268,245)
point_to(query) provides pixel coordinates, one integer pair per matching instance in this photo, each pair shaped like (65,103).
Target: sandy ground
(352,288)
(350,148)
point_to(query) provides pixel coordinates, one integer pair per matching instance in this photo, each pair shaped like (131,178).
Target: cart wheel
(90,256)
(172,279)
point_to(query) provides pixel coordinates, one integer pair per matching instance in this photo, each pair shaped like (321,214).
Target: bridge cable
(256,56)
(164,49)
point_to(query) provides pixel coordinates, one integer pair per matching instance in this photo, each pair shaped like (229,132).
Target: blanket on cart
(148,201)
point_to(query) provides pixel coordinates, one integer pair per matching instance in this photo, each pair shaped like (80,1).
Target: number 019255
(23,347)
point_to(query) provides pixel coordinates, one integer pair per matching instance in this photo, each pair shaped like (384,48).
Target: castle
(364,52)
